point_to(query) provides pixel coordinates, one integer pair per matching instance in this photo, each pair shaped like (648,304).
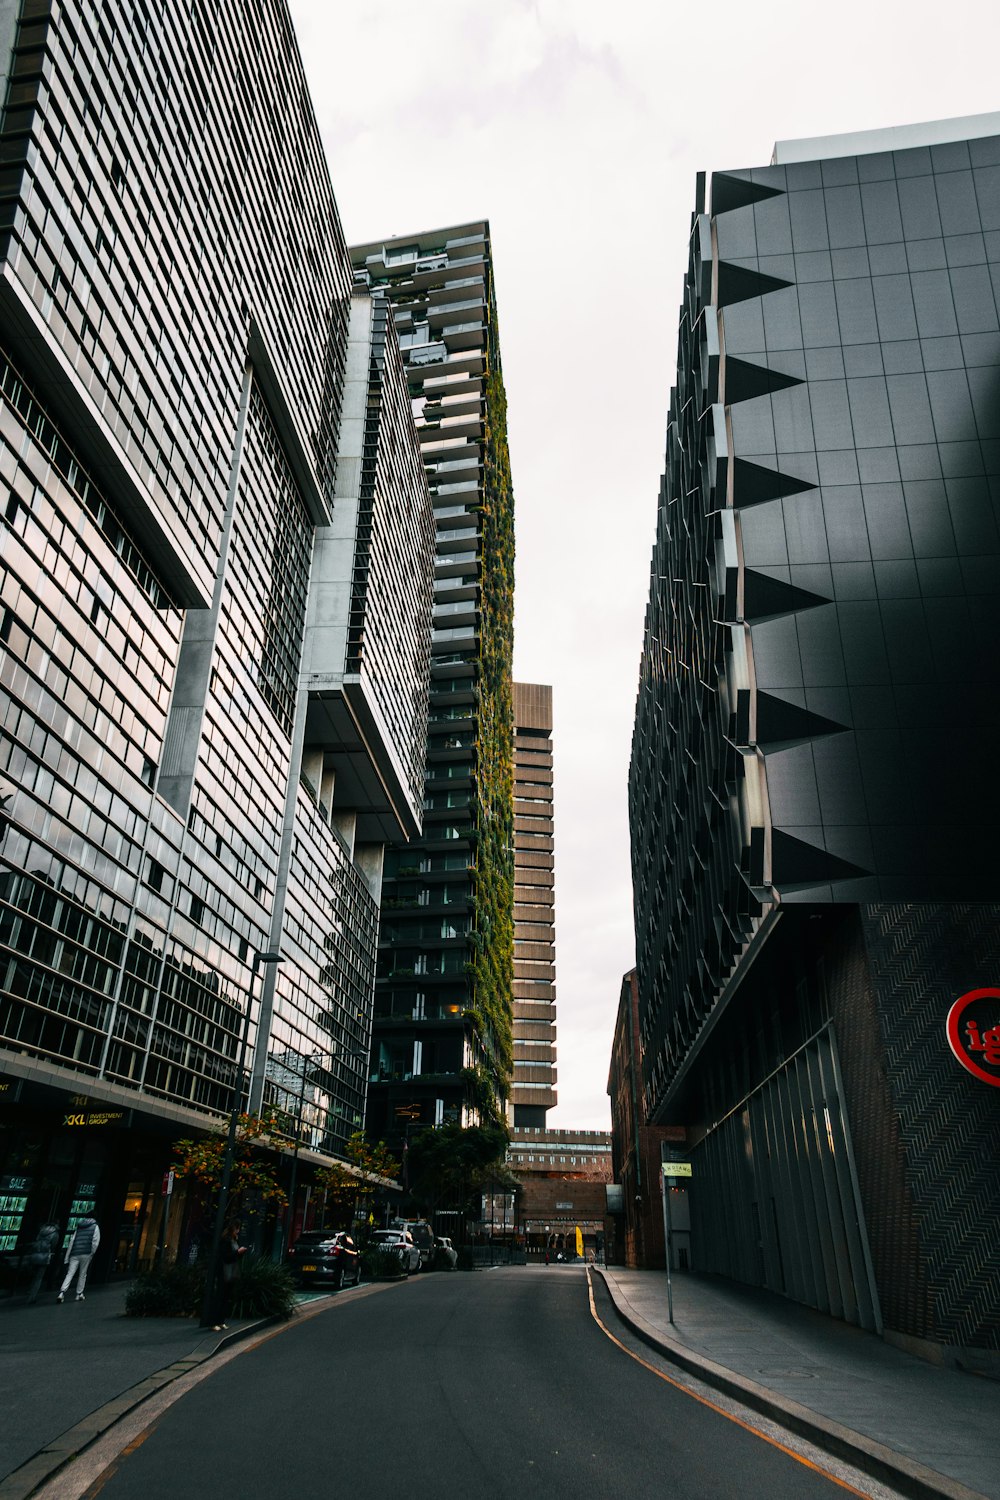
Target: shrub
(382,1263)
(263,1289)
(168,1292)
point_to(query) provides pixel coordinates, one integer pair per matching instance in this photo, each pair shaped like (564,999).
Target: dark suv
(319,1255)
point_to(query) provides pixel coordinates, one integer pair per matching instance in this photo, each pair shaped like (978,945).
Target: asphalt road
(497,1384)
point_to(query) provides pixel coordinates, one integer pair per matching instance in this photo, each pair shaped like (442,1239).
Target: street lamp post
(270,956)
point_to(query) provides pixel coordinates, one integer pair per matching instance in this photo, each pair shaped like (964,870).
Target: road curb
(875,1459)
(28,1477)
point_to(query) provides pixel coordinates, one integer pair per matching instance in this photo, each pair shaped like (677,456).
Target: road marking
(713,1406)
(112,1469)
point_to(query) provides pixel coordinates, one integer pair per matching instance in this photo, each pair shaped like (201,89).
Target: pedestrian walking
(39,1256)
(79,1253)
(229,1268)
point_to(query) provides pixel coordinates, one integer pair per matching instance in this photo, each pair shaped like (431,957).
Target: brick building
(635,1147)
(564,1176)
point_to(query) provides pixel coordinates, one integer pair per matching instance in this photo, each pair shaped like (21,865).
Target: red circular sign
(974,1034)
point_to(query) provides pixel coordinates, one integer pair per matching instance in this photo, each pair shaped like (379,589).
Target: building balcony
(463,336)
(452,539)
(410,1020)
(452,426)
(460,718)
(458,361)
(450,690)
(455,564)
(420,356)
(442,317)
(458,586)
(467,249)
(443,473)
(435,1082)
(453,383)
(450,640)
(460,612)
(454,289)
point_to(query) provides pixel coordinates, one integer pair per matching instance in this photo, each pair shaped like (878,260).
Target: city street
(499,1384)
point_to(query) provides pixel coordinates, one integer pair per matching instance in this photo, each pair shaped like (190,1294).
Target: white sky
(576,127)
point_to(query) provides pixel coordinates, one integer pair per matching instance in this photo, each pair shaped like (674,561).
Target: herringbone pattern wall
(947,1124)
(890,1215)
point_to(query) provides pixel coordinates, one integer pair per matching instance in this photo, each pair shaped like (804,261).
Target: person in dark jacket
(79,1253)
(229,1268)
(39,1256)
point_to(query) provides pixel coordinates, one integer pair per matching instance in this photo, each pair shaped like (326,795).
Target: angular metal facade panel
(818,693)
(813,799)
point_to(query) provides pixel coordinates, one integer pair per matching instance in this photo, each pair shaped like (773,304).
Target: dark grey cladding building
(216,564)
(813,792)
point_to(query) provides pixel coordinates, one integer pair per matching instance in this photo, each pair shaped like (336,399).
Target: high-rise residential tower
(534,1089)
(215,574)
(813,792)
(441,1047)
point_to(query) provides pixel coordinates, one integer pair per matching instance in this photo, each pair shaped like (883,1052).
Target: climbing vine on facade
(491,953)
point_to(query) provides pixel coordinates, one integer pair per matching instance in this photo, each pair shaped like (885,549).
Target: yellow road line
(713,1406)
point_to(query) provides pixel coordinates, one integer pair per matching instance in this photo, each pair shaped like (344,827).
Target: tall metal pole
(666,1233)
(236,1101)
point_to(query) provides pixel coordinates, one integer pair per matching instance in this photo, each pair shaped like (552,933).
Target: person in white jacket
(79,1253)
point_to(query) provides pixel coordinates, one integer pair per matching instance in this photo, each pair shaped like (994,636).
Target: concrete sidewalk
(70,1369)
(923,1429)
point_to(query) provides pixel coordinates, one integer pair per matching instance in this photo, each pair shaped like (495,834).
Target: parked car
(445,1254)
(319,1255)
(401,1241)
(423,1237)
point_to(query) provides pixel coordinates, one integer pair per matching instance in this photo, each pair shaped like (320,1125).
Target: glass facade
(176,298)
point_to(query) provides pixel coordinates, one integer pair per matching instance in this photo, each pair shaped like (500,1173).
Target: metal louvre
(774,1194)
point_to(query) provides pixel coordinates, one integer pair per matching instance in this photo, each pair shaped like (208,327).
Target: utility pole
(665,1190)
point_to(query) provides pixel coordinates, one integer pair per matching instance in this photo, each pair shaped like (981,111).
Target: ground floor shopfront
(65,1155)
(108,1154)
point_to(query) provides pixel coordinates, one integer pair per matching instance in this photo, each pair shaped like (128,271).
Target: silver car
(445,1254)
(400,1240)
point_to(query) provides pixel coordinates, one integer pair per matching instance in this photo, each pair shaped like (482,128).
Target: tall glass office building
(813,798)
(214,639)
(442,1048)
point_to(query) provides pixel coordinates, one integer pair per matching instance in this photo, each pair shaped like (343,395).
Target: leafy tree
(347,1190)
(373,1161)
(254,1172)
(449,1165)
